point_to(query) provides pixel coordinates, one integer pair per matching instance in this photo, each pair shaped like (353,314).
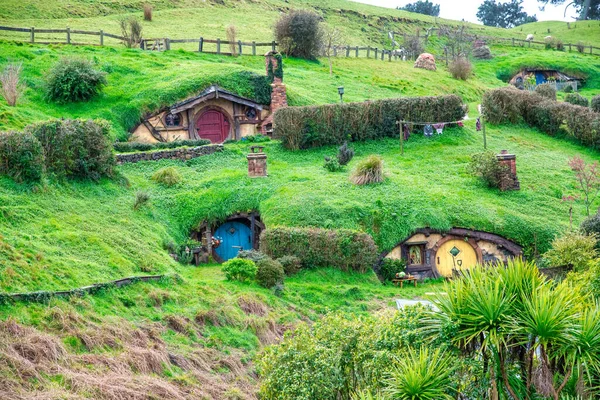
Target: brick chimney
(278,92)
(510,181)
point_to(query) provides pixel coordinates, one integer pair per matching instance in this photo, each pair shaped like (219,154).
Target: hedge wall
(343,249)
(305,127)
(510,105)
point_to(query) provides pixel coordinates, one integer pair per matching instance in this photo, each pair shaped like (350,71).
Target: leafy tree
(503,15)
(422,7)
(588,178)
(587,9)
(299,34)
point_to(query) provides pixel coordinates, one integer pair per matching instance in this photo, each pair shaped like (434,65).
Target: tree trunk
(330,66)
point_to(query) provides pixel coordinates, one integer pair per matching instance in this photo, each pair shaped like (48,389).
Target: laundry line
(430,123)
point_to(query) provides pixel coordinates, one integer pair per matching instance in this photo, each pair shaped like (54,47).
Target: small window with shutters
(172,120)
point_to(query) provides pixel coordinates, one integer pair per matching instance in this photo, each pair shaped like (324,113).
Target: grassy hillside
(139,82)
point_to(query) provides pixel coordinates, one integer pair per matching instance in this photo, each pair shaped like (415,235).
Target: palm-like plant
(421,375)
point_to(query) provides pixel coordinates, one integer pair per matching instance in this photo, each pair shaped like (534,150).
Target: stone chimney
(510,181)
(278,92)
(257,162)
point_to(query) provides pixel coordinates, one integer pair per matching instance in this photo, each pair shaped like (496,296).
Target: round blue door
(236,236)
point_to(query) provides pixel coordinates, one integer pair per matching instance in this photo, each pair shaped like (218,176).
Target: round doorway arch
(213,123)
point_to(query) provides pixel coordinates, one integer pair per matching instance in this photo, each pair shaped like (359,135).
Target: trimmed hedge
(343,249)
(314,126)
(130,147)
(75,148)
(510,105)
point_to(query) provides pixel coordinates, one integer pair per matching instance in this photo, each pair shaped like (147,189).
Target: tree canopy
(504,15)
(423,7)
(587,9)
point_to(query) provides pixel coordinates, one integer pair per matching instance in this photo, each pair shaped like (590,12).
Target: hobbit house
(431,253)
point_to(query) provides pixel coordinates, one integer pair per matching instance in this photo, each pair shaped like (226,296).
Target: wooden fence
(68,38)
(161,44)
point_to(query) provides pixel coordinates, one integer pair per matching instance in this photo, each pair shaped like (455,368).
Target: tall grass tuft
(167,176)
(11,86)
(131,30)
(141,198)
(147,12)
(368,171)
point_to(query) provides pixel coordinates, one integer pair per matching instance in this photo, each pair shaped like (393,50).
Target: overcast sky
(466,9)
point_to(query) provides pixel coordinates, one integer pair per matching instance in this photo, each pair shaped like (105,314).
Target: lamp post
(341,92)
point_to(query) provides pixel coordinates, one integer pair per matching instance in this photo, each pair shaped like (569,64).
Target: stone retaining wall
(184,153)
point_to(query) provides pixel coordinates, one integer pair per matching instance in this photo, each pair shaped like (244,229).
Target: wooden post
(68,35)
(591,49)
(356,51)
(347,50)
(273,46)
(208,235)
(376,49)
(201,45)
(513,42)
(167,44)
(483,129)
(253,48)
(382,54)
(101,37)
(32,39)
(389,56)
(368,51)
(399,123)
(529,41)
(218,46)
(569,47)
(240,46)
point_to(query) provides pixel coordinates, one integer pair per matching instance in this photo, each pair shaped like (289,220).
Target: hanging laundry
(406,132)
(478,124)
(428,130)
(439,128)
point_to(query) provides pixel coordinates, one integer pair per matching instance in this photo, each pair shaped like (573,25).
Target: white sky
(466,9)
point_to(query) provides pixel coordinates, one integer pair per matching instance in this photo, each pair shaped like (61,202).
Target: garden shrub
(141,199)
(75,148)
(291,264)
(299,34)
(580,47)
(332,164)
(270,273)
(502,105)
(560,46)
(73,80)
(546,90)
(577,99)
(486,166)
(390,267)
(131,31)
(239,269)
(147,12)
(167,176)
(574,249)
(368,171)
(342,249)
(596,103)
(130,147)
(332,124)
(591,226)
(461,68)
(252,254)
(568,89)
(345,154)
(21,157)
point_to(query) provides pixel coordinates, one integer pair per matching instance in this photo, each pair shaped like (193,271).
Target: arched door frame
(203,110)
(448,238)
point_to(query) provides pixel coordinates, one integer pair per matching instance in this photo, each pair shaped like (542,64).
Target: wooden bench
(400,281)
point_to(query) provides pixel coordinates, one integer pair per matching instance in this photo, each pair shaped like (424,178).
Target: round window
(173,119)
(251,113)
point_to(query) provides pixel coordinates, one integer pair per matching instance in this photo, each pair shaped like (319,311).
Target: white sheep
(548,38)
(529,37)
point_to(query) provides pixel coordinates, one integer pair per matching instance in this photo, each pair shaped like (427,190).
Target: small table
(400,281)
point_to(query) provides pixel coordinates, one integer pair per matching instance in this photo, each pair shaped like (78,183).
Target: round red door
(212,125)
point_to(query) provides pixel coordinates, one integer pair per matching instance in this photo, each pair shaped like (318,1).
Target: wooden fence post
(591,49)
(368,51)
(347,50)
(335,51)
(201,45)
(513,42)
(240,46)
(218,46)
(253,48)
(167,44)
(389,56)
(101,37)
(569,47)
(446,51)
(376,50)
(356,51)
(382,54)
(68,35)
(273,46)
(32,39)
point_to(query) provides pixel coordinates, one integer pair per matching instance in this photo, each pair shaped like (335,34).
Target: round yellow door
(455,255)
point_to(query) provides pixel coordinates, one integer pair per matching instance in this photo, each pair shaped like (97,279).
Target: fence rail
(251,48)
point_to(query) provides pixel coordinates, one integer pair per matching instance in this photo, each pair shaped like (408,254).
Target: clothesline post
(483,129)
(399,123)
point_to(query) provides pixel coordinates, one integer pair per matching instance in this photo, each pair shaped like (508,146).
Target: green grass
(140,82)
